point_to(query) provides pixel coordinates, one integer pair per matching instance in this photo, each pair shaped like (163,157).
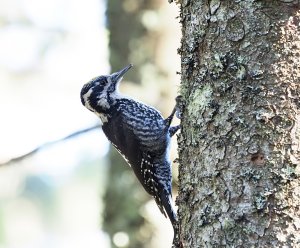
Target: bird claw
(179,107)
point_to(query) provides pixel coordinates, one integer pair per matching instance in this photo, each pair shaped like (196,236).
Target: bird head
(96,94)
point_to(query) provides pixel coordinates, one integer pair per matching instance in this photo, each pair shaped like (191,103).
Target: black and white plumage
(140,134)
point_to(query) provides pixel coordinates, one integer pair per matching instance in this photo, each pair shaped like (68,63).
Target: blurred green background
(78,192)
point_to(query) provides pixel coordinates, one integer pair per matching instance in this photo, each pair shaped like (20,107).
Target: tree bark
(239,147)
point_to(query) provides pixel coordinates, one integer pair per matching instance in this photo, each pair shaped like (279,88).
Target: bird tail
(169,209)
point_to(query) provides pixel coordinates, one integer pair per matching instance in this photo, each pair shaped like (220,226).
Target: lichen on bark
(239,148)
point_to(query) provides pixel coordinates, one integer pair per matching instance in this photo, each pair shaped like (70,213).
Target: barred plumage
(139,133)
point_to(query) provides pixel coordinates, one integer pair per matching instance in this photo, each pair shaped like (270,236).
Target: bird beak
(117,76)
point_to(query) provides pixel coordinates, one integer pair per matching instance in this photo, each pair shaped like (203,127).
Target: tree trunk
(239,147)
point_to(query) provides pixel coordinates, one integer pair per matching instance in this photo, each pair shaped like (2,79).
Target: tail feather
(168,207)
(166,200)
(160,205)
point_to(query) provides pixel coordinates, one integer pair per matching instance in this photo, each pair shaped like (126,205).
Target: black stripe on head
(97,86)
(85,89)
(112,87)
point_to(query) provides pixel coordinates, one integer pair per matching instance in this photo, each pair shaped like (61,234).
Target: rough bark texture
(239,148)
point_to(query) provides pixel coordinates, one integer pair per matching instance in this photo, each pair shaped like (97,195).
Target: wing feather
(146,123)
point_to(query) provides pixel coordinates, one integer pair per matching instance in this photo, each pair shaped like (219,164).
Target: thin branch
(35,150)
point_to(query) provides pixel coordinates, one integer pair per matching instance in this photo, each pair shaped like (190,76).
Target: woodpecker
(139,133)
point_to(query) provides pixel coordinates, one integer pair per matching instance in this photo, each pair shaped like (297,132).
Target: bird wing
(139,134)
(146,123)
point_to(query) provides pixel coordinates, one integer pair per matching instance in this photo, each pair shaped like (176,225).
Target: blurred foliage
(124,200)
(130,40)
(50,199)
